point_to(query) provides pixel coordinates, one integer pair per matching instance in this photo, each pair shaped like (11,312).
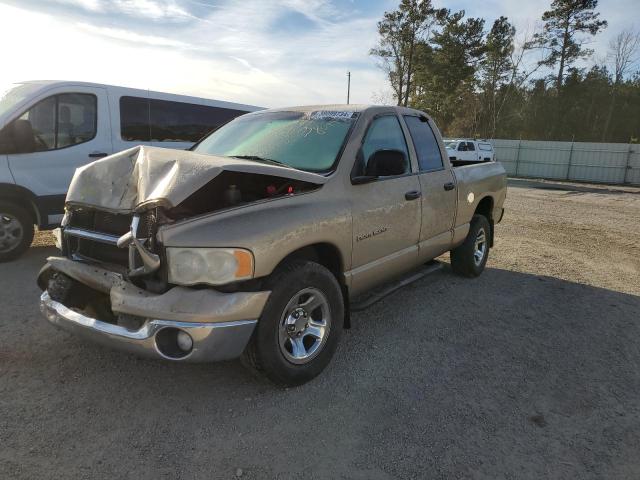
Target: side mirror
(386,163)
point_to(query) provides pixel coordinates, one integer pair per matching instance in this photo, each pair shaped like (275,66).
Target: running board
(368,299)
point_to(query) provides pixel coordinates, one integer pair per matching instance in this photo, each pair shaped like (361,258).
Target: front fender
(271,229)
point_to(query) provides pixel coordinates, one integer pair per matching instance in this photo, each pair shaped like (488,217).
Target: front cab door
(386,212)
(66,129)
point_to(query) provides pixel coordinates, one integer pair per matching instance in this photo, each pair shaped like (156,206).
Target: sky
(261,52)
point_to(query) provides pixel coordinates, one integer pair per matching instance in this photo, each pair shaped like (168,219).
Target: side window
(153,120)
(56,122)
(471,147)
(385,133)
(425,143)
(76,118)
(134,119)
(462,147)
(186,122)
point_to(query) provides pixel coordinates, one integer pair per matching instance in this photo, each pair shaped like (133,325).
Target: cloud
(90,5)
(153,9)
(167,10)
(267,53)
(133,37)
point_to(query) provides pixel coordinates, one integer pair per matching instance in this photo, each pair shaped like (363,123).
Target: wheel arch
(485,208)
(22,197)
(328,255)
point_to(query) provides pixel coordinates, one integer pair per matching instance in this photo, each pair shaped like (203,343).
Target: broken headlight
(214,266)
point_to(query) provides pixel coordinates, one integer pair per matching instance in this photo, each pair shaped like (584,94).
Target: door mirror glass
(386,163)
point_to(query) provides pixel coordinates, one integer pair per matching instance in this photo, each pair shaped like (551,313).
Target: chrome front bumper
(211,341)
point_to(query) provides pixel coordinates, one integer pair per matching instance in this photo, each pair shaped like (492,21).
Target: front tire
(470,258)
(299,329)
(16,231)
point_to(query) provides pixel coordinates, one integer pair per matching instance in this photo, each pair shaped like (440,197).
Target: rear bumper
(211,341)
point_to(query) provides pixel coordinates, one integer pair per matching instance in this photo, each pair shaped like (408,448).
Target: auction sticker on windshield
(331,115)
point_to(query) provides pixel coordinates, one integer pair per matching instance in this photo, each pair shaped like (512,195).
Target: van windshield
(308,141)
(13,94)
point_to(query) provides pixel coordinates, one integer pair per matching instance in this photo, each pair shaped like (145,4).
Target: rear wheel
(299,329)
(470,258)
(16,231)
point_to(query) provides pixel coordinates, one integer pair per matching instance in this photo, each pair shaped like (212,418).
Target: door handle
(97,154)
(412,195)
(449,186)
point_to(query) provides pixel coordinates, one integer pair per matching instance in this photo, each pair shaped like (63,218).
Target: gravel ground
(530,371)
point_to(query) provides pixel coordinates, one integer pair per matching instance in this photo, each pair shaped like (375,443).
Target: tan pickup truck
(257,242)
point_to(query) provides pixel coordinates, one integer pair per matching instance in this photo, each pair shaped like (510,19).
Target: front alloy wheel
(300,326)
(305,325)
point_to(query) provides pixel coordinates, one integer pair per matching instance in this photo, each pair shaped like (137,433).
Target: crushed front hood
(128,180)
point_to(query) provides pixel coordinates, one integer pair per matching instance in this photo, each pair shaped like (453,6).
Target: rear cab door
(69,126)
(438,185)
(386,212)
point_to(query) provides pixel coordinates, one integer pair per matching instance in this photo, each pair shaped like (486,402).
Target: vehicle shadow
(510,372)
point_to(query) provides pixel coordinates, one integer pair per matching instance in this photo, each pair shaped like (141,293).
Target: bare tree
(520,73)
(623,51)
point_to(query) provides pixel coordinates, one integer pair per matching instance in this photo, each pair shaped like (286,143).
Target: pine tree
(564,27)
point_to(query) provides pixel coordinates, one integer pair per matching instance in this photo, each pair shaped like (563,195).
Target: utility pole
(348,86)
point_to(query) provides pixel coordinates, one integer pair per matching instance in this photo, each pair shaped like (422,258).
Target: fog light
(184,341)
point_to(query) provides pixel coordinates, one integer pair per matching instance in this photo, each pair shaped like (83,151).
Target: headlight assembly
(214,266)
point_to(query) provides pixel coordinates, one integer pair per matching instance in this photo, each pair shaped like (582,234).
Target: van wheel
(16,231)
(299,329)
(470,258)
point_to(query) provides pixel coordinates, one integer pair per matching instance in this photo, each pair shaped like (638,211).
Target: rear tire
(470,258)
(16,231)
(300,326)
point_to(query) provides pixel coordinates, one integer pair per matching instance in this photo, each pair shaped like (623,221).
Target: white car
(50,128)
(463,150)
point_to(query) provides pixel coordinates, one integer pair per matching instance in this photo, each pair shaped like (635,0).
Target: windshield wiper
(261,159)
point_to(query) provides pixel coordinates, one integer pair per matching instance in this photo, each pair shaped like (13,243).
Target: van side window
(56,122)
(425,143)
(471,147)
(153,120)
(385,133)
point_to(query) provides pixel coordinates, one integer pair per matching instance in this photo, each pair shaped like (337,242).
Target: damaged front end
(114,283)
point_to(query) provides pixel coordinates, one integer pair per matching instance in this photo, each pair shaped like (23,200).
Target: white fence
(589,162)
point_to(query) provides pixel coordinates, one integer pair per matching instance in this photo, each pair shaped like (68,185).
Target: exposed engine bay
(232,189)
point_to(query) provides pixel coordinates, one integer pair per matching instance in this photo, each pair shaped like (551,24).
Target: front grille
(91,221)
(100,252)
(99,221)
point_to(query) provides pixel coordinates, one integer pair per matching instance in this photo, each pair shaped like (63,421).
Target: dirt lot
(530,371)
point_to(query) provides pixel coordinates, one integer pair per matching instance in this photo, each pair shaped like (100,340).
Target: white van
(50,128)
(469,151)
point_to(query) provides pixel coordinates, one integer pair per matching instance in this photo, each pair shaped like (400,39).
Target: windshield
(308,141)
(12,95)
(451,145)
